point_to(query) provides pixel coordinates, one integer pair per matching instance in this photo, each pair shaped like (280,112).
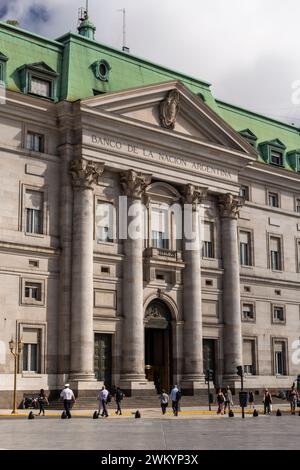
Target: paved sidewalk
(186,412)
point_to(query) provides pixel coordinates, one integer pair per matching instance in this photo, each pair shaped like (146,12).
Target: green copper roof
(75,59)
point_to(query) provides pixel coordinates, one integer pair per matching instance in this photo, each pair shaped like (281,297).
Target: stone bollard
(31,415)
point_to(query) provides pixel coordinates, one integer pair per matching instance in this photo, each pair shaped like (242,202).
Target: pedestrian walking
(68,397)
(164,401)
(175,397)
(251,400)
(220,402)
(119,395)
(42,401)
(293,398)
(103,399)
(228,399)
(267,400)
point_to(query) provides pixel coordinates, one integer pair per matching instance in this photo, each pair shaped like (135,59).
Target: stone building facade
(93,305)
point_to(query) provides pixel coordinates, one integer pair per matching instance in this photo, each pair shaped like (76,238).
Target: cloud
(248,50)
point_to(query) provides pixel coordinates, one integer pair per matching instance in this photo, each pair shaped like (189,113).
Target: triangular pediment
(193,119)
(41,67)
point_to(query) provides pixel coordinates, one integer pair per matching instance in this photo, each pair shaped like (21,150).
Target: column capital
(133,184)
(85,173)
(193,195)
(230,205)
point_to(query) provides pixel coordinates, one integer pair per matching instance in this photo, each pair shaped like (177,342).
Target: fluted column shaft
(192,301)
(84,177)
(233,352)
(133,368)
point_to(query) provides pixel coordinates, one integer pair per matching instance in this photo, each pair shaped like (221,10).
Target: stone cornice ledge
(8,246)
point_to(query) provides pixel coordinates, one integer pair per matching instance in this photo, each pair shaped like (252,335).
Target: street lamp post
(16,349)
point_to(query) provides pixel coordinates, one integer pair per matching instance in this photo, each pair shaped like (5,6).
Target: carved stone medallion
(169,109)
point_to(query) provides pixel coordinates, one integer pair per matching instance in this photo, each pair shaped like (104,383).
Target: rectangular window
(244,192)
(33,291)
(35,142)
(245,249)
(280,358)
(249,356)
(40,87)
(208,242)
(276,158)
(31,350)
(105,222)
(34,202)
(298,256)
(278,314)
(275,254)
(298,206)
(273,200)
(160,228)
(2,73)
(248,312)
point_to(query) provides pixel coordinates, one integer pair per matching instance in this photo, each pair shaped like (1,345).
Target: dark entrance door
(209,355)
(158,348)
(102,358)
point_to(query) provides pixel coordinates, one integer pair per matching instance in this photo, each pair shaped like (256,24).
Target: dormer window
(276,158)
(3,60)
(39,79)
(293,158)
(40,87)
(249,136)
(273,152)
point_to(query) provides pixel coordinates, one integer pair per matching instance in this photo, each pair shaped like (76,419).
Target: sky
(249,50)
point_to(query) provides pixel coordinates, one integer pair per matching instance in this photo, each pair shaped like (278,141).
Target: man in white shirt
(102,397)
(68,396)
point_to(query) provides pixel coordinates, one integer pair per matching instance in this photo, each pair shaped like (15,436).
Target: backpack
(178,395)
(119,395)
(108,399)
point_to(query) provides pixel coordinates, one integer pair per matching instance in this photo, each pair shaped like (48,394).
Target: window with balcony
(273,199)
(34,208)
(245,248)
(249,356)
(208,242)
(280,363)
(248,312)
(35,142)
(104,222)
(31,350)
(275,254)
(160,227)
(278,314)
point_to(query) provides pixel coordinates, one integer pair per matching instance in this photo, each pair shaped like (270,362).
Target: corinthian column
(233,353)
(84,175)
(133,185)
(193,377)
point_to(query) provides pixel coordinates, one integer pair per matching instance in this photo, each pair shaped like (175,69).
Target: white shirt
(67,394)
(103,395)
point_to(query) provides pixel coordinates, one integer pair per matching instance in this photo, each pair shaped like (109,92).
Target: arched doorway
(158,347)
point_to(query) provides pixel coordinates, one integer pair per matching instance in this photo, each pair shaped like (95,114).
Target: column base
(232,380)
(134,385)
(193,384)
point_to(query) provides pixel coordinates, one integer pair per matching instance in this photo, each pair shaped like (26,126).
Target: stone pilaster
(193,377)
(133,185)
(84,175)
(233,348)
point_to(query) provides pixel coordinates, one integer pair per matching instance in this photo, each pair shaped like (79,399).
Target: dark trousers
(118,403)
(175,407)
(67,406)
(42,407)
(267,407)
(164,408)
(104,408)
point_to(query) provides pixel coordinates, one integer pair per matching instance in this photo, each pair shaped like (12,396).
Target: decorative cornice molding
(85,173)
(230,205)
(134,184)
(193,195)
